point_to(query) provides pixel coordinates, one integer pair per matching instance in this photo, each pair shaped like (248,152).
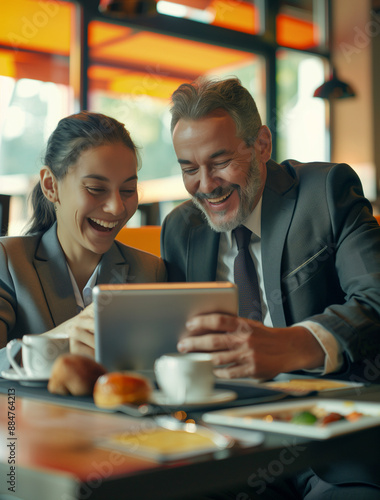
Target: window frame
(263,44)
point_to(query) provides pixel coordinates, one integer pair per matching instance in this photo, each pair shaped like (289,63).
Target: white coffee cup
(185,378)
(38,353)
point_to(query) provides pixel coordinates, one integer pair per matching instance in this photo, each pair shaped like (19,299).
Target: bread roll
(117,388)
(74,374)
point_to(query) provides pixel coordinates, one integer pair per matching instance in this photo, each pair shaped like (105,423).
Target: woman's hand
(247,348)
(80,329)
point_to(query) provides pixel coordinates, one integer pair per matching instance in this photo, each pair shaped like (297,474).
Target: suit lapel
(113,267)
(277,210)
(203,253)
(50,265)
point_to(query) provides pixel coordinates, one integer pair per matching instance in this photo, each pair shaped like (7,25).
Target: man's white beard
(247,197)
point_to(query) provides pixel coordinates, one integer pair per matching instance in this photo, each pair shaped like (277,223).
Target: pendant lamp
(334,89)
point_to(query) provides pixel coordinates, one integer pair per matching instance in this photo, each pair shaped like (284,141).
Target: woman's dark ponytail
(43,211)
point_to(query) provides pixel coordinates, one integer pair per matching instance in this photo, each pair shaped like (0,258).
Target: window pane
(238,15)
(301,118)
(34,91)
(300,24)
(34,25)
(132,76)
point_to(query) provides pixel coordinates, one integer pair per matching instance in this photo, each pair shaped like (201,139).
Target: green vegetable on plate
(304,418)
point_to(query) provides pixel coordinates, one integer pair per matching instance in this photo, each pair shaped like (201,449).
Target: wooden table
(57,456)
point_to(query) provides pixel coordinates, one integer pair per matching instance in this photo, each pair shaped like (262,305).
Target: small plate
(24,379)
(305,385)
(218,396)
(165,439)
(270,417)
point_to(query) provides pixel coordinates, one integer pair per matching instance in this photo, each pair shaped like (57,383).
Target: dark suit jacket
(320,255)
(36,293)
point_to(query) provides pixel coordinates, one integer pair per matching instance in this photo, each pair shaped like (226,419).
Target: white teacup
(185,378)
(38,353)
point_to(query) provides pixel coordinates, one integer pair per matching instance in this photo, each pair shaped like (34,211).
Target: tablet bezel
(152,317)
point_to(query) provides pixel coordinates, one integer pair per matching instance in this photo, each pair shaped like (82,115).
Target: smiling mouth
(221,199)
(102,225)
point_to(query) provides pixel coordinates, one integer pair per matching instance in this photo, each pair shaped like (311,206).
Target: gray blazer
(36,293)
(320,250)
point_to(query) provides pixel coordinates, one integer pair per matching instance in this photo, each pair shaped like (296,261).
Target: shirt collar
(84,301)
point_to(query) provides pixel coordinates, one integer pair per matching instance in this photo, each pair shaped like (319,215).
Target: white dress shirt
(85,299)
(225,272)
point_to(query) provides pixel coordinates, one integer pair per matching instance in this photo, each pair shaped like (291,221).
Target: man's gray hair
(200,98)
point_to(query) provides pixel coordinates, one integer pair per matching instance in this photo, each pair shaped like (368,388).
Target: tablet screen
(136,324)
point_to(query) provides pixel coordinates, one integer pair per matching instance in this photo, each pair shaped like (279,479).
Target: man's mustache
(216,193)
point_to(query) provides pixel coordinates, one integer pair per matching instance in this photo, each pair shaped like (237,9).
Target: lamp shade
(334,89)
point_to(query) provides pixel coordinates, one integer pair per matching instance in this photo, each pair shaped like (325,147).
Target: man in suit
(313,241)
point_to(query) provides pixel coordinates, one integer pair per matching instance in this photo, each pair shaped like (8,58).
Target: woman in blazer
(86,193)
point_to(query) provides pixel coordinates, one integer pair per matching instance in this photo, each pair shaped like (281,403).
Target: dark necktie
(245,277)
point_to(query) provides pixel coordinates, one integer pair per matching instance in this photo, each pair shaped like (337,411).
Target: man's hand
(80,329)
(249,348)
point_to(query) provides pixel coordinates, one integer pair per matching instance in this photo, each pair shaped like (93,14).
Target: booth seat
(148,237)
(145,238)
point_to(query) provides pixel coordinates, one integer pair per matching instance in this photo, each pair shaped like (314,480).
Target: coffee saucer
(218,396)
(24,378)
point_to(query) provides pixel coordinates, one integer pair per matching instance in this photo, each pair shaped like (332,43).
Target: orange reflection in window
(36,66)
(296,33)
(145,84)
(7,64)
(239,15)
(36,25)
(160,55)
(236,15)
(129,82)
(103,33)
(100,76)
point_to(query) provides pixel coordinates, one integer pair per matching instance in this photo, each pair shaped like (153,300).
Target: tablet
(136,324)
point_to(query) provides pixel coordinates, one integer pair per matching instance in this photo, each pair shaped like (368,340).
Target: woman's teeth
(103,223)
(219,200)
